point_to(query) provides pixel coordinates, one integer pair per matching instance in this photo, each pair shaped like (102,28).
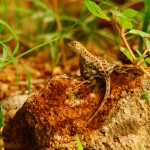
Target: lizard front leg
(86,72)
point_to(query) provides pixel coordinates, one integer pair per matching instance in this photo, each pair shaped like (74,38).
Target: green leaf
(146,96)
(144,64)
(80,147)
(129,12)
(141,56)
(95,10)
(117,13)
(125,23)
(122,19)
(147,42)
(147,60)
(139,53)
(126,52)
(140,33)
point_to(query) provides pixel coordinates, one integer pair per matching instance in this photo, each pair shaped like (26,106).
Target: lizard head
(75,46)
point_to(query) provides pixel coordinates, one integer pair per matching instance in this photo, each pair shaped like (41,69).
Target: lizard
(101,66)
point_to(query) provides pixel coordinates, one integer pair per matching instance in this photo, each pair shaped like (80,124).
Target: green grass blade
(146,22)
(27,52)
(53,50)
(29,79)
(36,47)
(1,117)
(12,60)
(17,6)
(79,145)
(9,28)
(140,147)
(7,39)
(13,33)
(4,55)
(16,49)
(40,4)
(3,8)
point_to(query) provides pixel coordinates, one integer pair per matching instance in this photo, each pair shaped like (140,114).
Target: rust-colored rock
(50,119)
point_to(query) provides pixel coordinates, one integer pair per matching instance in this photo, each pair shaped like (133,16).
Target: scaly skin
(102,68)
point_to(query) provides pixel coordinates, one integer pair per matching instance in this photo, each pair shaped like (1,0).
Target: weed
(122,21)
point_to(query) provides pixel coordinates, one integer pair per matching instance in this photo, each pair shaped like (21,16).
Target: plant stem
(126,44)
(59,26)
(122,34)
(146,72)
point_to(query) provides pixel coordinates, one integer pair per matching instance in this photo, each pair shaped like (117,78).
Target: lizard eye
(75,43)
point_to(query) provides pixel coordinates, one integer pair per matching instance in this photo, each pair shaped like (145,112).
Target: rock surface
(52,118)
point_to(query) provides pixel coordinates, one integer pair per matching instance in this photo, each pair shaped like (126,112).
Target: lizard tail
(103,101)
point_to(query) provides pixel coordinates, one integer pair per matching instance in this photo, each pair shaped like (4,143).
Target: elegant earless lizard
(91,62)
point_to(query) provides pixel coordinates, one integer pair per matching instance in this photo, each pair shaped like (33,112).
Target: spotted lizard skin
(102,68)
